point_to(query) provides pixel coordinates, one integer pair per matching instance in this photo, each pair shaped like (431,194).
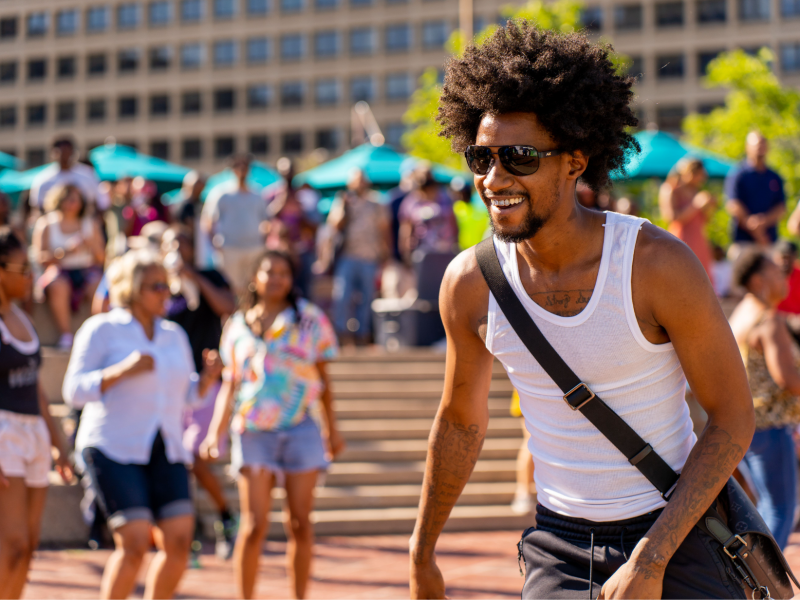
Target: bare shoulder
(464,298)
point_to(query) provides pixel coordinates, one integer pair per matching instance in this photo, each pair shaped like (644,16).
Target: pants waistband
(581,530)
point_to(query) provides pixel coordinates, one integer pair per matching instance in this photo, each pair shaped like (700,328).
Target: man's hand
(136,363)
(209,447)
(64,466)
(426,581)
(634,580)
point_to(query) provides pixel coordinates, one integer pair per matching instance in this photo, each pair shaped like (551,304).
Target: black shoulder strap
(577,394)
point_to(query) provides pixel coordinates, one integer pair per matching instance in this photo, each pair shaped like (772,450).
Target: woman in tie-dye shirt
(275,385)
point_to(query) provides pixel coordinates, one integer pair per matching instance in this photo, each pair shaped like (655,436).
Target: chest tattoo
(564,303)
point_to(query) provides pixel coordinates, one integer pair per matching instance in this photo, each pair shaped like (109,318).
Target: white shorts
(25,448)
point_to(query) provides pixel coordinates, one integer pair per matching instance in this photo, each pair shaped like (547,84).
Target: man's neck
(63,167)
(759,164)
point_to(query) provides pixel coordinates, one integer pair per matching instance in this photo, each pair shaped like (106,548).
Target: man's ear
(577,163)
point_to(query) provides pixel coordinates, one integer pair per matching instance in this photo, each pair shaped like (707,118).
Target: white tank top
(578,472)
(58,239)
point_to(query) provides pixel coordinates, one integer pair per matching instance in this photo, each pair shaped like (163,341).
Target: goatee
(529,227)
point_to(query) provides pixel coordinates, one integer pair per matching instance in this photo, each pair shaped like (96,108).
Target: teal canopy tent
(14,183)
(113,161)
(9,162)
(662,151)
(260,177)
(382,165)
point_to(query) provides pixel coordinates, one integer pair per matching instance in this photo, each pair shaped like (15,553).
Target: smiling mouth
(506,202)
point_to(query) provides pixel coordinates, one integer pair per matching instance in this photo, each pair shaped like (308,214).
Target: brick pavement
(475,565)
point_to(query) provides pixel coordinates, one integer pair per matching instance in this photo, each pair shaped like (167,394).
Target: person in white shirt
(65,170)
(234,217)
(133,372)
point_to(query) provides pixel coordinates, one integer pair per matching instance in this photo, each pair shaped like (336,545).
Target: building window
(326,44)
(327,139)
(37,115)
(97,19)
(361,89)
(669,14)
(712,11)
(591,18)
(224,100)
(258,144)
(362,41)
(8,28)
(66,67)
(192,149)
(628,17)
(159,105)
(326,92)
(67,22)
(790,8)
(394,134)
(35,157)
(128,15)
(292,143)
(224,9)
(360,3)
(259,96)
(224,146)
(159,13)
(191,103)
(257,8)
(326,4)
(434,34)
(128,107)
(398,37)
(670,66)
(8,72)
(292,6)
(160,58)
(65,112)
(37,24)
(8,117)
(128,60)
(398,86)
(191,11)
(292,93)
(703,60)
(191,56)
(754,10)
(96,65)
(637,68)
(257,50)
(292,46)
(670,118)
(37,69)
(224,53)
(160,149)
(790,57)
(96,110)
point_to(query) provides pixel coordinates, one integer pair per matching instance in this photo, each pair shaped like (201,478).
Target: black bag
(750,547)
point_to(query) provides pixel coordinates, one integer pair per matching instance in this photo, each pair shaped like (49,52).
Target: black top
(19,375)
(202,325)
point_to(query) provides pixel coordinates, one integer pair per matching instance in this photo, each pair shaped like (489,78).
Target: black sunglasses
(517,160)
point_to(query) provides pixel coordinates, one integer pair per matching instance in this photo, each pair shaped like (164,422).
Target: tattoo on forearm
(564,303)
(453,452)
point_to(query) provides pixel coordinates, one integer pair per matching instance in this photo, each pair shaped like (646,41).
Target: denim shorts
(129,492)
(294,450)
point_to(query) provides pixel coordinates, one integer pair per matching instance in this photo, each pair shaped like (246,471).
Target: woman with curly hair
(627,306)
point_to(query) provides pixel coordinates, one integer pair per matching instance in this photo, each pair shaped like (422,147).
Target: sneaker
(522,504)
(225,532)
(65,341)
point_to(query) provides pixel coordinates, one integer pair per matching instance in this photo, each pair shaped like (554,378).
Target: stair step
(383,371)
(411,409)
(401,387)
(404,429)
(380,451)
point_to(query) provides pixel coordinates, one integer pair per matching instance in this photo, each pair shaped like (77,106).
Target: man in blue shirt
(755,195)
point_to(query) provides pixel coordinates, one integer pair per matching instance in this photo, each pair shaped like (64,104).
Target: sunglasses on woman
(517,160)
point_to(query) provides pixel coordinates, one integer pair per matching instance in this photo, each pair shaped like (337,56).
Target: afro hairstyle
(568,82)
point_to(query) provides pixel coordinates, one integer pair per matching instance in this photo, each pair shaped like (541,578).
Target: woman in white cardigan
(132,373)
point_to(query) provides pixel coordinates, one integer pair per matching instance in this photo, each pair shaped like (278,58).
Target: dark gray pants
(557,559)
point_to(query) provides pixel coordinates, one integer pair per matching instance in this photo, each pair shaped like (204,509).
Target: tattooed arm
(673,301)
(460,425)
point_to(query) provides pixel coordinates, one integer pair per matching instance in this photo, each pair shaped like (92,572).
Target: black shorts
(128,492)
(556,554)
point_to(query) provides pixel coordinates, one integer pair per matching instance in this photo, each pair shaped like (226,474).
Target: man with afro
(627,306)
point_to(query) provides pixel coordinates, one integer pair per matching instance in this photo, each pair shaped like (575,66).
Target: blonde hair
(56,196)
(125,275)
(685,166)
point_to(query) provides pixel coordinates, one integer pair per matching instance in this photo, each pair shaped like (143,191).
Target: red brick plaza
(476,565)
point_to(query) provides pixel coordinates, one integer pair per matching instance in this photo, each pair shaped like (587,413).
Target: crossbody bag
(743,537)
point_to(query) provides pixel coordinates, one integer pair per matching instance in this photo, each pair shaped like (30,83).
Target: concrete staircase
(385,404)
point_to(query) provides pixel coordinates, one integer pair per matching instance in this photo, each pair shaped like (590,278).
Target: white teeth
(507,202)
